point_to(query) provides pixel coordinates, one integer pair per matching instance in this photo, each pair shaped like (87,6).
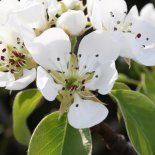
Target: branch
(114,142)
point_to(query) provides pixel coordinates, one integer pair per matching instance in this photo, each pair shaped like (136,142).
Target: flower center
(15,61)
(74,84)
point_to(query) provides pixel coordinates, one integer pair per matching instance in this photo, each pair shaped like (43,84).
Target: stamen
(2,58)
(11,61)
(96,76)
(58,59)
(12,71)
(80,55)
(97,55)
(4,50)
(83,88)
(138,35)
(83,81)
(115,28)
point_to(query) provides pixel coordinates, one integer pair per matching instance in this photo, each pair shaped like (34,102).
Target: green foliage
(138,112)
(55,136)
(119,85)
(24,104)
(148,85)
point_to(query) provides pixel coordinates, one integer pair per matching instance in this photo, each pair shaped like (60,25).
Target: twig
(114,142)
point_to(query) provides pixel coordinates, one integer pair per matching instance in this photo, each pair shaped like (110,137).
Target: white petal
(95,17)
(27,78)
(104,78)
(132,14)
(130,48)
(9,36)
(52,44)
(97,46)
(111,11)
(146,57)
(69,19)
(90,6)
(144,32)
(4,78)
(53,8)
(148,13)
(46,84)
(32,15)
(86,113)
(6,8)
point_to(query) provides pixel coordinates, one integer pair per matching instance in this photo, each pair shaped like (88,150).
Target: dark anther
(85,66)
(112,14)
(138,35)
(115,28)
(83,81)
(12,71)
(83,88)
(76,105)
(11,61)
(118,22)
(18,39)
(58,59)
(4,50)
(2,58)
(80,55)
(96,76)
(97,55)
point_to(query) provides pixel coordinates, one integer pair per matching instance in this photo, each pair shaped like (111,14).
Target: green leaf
(119,85)
(55,136)
(139,115)
(24,104)
(149,85)
(125,79)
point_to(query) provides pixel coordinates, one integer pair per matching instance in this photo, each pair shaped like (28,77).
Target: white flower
(17,69)
(73,22)
(134,35)
(73,80)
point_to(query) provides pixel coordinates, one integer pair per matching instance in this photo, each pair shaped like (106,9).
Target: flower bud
(73,22)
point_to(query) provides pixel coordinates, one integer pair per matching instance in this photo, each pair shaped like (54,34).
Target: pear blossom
(17,68)
(73,78)
(135,36)
(73,22)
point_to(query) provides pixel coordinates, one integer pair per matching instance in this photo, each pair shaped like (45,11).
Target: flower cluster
(38,38)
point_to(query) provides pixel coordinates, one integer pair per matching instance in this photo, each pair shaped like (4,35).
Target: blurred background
(9,146)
